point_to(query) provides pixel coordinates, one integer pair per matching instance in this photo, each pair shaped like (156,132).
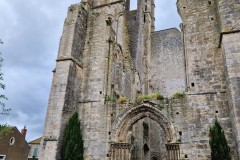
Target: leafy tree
(73,142)
(4,130)
(218,142)
(2,87)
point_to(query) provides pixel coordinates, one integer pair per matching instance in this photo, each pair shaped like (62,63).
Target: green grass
(153,96)
(179,95)
(122,100)
(110,99)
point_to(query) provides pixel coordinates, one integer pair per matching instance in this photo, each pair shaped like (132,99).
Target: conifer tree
(218,142)
(73,142)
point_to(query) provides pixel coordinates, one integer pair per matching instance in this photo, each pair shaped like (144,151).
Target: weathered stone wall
(100,3)
(108,73)
(229,13)
(207,96)
(229,16)
(140,26)
(95,84)
(107,52)
(167,68)
(231,53)
(201,113)
(74,33)
(63,100)
(205,71)
(132,25)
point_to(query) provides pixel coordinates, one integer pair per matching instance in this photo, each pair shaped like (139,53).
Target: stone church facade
(108,53)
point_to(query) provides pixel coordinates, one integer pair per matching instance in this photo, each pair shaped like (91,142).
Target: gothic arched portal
(146,130)
(131,116)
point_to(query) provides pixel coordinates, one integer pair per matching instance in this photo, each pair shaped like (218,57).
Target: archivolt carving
(127,119)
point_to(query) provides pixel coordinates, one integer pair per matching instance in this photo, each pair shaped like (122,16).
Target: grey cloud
(31,31)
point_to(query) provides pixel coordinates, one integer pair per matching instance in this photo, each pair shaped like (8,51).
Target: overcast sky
(31,30)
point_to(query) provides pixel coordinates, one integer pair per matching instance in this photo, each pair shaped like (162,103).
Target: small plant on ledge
(110,99)
(156,96)
(122,100)
(153,96)
(179,95)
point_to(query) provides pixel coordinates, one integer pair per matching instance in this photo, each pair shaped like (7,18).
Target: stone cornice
(71,58)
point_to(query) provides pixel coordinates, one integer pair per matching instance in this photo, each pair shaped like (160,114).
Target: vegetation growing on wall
(122,100)
(110,99)
(154,96)
(218,142)
(179,95)
(73,142)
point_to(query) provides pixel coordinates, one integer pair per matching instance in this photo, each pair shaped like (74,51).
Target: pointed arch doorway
(143,133)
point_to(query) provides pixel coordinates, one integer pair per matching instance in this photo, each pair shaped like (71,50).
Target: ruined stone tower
(109,55)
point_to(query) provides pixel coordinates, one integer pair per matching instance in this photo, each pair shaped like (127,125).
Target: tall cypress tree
(218,142)
(73,142)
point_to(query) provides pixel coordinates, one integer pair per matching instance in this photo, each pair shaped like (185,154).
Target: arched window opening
(145,149)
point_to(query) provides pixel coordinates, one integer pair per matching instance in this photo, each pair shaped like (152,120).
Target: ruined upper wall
(99,3)
(229,13)
(74,33)
(132,25)
(204,62)
(206,82)
(167,74)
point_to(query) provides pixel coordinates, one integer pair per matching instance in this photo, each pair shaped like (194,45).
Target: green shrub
(179,95)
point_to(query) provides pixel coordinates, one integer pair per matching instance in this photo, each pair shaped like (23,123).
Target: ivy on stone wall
(73,142)
(218,142)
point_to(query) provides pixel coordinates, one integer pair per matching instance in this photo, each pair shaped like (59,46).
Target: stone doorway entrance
(148,140)
(143,133)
